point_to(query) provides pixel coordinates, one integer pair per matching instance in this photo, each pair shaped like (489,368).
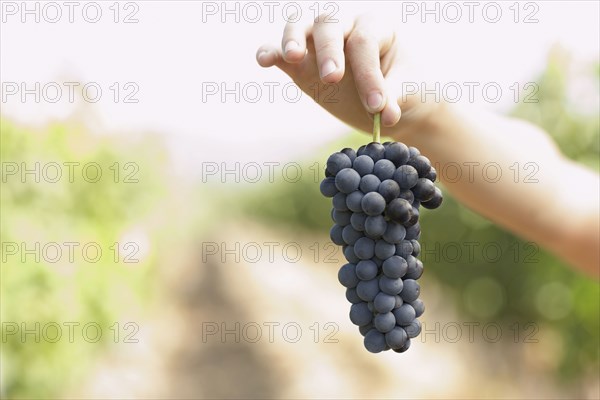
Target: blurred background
(163,234)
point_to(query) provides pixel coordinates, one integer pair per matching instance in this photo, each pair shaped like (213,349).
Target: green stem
(376,127)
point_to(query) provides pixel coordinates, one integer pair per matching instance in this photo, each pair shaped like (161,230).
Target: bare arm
(560,211)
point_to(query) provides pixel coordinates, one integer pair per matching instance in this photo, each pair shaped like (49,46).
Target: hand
(361,59)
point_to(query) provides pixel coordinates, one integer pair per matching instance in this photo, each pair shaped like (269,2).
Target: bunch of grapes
(377,193)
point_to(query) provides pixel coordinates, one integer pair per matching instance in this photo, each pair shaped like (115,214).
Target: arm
(559,212)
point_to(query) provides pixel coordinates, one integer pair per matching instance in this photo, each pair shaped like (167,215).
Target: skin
(561,211)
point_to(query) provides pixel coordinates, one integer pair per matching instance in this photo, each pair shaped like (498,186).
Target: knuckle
(358,39)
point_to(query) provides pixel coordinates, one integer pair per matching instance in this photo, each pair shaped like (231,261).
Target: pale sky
(178,47)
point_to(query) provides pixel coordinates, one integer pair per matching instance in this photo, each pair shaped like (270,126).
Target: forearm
(512,173)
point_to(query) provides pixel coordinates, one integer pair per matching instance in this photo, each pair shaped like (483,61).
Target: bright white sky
(175,47)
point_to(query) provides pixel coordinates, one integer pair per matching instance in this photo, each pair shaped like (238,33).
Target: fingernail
(328,67)
(374,100)
(291,45)
(261,54)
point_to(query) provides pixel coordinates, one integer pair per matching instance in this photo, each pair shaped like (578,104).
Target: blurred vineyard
(522,285)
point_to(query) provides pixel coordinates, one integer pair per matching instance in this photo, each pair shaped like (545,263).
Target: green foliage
(82,211)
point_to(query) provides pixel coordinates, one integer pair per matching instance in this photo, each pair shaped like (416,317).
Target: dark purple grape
(373,204)
(351,296)
(347,180)
(404,248)
(405,347)
(395,267)
(390,286)
(413,232)
(339,202)
(406,176)
(369,183)
(413,329)
(349,254)
(394,232)
(366,328)
(389,189)
(432,175)
(350,235)
(415,271)
(421,164)
(414,217)
(328,188)
(366,270)
(361,150)
(367,290)
(405,314)
(360,314)
(336,235)
(375,341)
(397,153)
(407,194)
(364,248)
(411,290)
(384,322)
(384,303)
(357,220)
(337,162)
(413,152)
(347,275)
(375,150)
(424,190)
(384,250)
(399,210)
(363,165)
(419,307)
(384,169)
(353,201)
(341,217)
(350,153)
(396,338)
(435,201)
(375,226)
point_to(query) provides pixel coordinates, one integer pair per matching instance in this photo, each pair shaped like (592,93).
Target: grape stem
(376,127)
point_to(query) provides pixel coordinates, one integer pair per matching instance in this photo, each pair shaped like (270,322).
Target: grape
(364,248)
(395,267)
(411,290)
(390,285)
(341,217)
(357,220)
(337,162)
(399,301)
(413,232)
(336,235)
(375,150)
(373,203)
(414,217)
(416,271)
(413,329)
(366,270)
(384,169)
(374,341)
(396,338)
(435,201)
(350,255)
(384,249)
(424,189)
(353,201)
(375,226)
(419,307)
(367,290)
(421,164)
(347,276)
(351,296)
(328,188)
(350,235)
(431,175)
(404,248)
(366,328)
(347,180)
(397,153)
(404,314)
(384,322)
(407,195)
(394,232)
(406,176)
(413,151)
(360,314)
(369,183)
(416,247)
(363,165)
(350,153)
(339,202)
(388,189)
(384,303)
(376,195)
(404,348)
(399,210)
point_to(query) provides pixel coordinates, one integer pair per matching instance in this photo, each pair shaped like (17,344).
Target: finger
(390,115)
(328,38)
(363,49)
(293,41)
